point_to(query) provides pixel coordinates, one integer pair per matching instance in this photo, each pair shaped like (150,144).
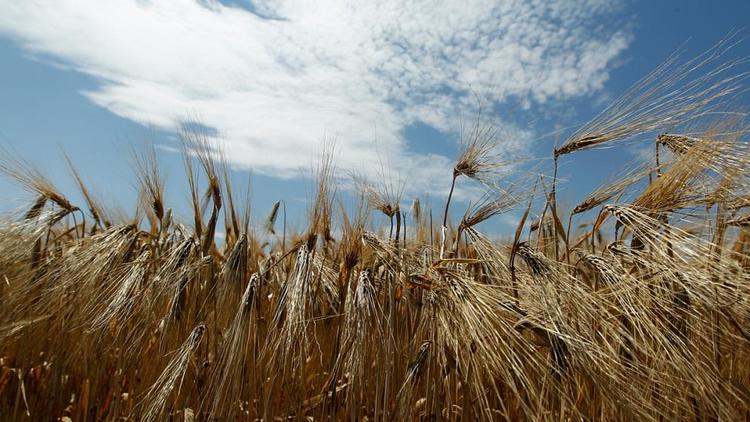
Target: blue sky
(390,82)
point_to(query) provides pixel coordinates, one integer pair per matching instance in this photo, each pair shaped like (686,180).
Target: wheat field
(632,305)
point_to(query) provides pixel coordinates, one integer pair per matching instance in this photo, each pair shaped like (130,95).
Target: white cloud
(274,88)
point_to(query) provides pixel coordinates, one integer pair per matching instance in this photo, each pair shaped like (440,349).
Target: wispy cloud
(274,78)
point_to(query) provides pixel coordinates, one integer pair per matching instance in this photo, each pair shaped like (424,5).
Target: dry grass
(644,315)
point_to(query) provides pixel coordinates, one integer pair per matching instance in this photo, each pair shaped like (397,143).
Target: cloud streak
(275,78)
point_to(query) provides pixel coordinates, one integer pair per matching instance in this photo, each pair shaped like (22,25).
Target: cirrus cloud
(273,78)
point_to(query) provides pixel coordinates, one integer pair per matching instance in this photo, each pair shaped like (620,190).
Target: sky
(389,85)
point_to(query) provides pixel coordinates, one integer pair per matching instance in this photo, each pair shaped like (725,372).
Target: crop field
(632,305)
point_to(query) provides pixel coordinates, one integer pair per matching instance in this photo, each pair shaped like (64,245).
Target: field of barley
(632,305)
